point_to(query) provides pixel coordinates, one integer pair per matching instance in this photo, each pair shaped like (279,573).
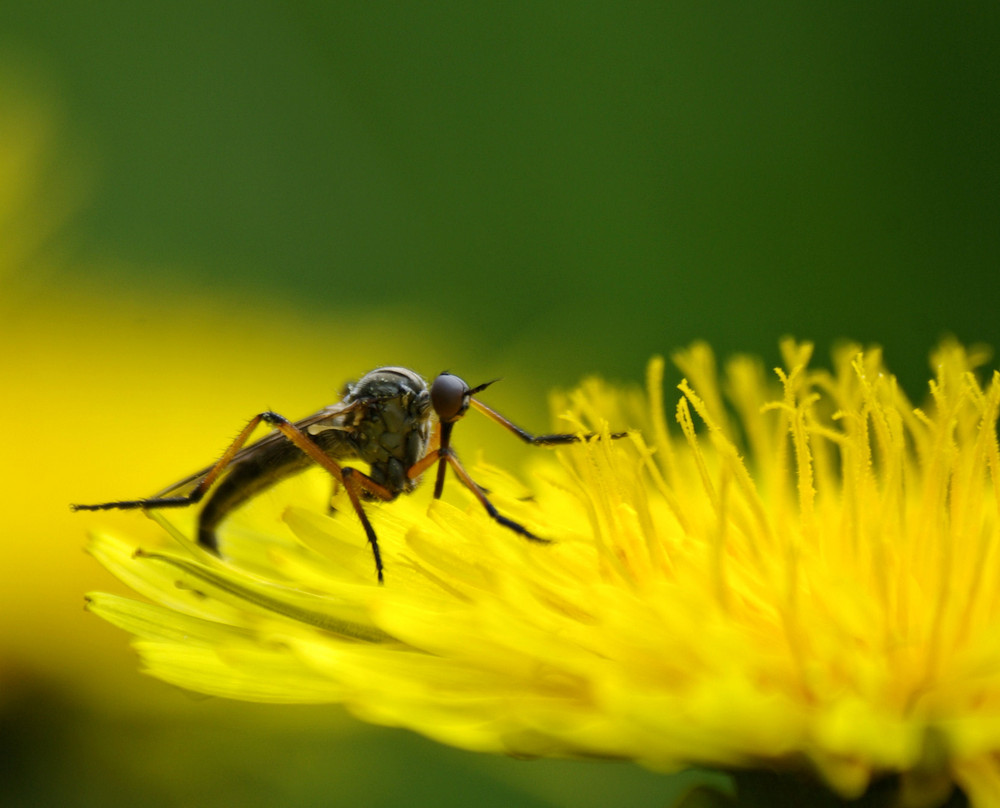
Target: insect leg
(536,440)
(444,449)
(443,435)
(353,484)
(321,458)
(446,455)
(469,483)
(353,480)
(197,492)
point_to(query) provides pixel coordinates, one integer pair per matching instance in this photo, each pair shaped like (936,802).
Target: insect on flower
(389,419)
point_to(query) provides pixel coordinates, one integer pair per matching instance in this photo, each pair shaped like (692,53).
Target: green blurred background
(236,198)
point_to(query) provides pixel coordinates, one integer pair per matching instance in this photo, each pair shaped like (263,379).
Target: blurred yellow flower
(804,576)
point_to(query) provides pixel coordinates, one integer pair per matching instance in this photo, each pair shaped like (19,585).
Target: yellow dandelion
(801,576)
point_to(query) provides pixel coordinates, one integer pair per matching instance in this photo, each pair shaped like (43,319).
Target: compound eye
(450,397)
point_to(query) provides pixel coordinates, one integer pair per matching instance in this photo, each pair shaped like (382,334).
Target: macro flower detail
(797,571)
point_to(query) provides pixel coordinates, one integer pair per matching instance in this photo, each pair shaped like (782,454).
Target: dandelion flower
(800,575)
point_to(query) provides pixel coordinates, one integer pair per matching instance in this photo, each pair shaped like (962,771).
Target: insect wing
(328,418)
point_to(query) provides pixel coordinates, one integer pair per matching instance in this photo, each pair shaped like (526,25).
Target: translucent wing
(328,418)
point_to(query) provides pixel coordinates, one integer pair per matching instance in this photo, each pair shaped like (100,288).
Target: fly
(390,419)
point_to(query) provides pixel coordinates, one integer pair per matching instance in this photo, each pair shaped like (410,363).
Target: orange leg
(353,481)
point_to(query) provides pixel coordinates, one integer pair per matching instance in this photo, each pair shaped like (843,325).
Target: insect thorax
(392,431)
